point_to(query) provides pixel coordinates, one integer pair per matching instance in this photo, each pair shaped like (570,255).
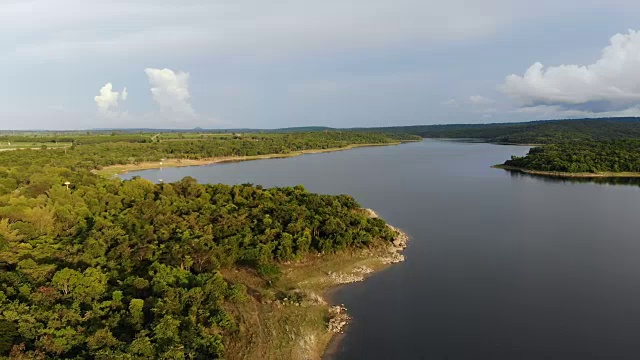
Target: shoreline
(114,170)
(310,281)
(568,174)
(297,318)
(396,248)
(482,141)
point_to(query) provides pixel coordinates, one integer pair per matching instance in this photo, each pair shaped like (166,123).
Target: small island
(580,159)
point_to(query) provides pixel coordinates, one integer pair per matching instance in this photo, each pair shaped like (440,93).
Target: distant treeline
(81,137)
(98,155)
(77,138)
(536,132)
(572,146)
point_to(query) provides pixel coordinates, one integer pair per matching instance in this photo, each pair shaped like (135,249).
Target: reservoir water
(500,266)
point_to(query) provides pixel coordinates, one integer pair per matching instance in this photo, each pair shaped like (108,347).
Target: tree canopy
(534,132)
(110,269)
(583,156)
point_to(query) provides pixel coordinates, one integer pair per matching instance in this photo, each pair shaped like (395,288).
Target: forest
(535,132)
(571,146)
(93,152)
(98,268)
(582,157)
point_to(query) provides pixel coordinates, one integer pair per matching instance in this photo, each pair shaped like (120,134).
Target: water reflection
(631,181)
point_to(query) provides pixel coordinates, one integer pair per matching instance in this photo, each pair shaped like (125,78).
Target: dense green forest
(109,269)
(292,138)
(535,132)
(583,156)
(94,154)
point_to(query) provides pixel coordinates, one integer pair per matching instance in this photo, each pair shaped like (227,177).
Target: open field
(6,146)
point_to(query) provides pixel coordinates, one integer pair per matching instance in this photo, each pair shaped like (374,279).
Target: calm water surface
(499,266)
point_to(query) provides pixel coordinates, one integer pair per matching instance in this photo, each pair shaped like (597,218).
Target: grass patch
(7,146)
(288,319)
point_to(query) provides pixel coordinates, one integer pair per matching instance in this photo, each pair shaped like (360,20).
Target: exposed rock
(315,299)
(370,213)
(401,238)
(339,318)
(393,258)
(342,278)
(364,270)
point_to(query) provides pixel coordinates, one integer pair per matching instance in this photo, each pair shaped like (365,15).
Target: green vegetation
(32,145)
(94,154)
(535,132)
(74,137)
(102,268)
(583,147)
(615,156)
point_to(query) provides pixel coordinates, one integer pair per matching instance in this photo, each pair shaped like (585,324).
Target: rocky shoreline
(339,317)
(305,302)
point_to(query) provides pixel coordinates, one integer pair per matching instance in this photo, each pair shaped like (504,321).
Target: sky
(84,64)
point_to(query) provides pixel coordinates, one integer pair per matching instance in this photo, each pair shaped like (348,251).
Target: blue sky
(345,63)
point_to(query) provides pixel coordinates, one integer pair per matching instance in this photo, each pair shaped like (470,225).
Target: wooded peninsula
(93,267)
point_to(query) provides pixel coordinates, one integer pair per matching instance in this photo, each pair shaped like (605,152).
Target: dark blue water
(500,266)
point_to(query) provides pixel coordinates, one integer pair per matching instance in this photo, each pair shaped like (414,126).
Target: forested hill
(536,132)
(97,268)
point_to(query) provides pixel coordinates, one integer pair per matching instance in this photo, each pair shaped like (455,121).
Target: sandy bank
(122,169)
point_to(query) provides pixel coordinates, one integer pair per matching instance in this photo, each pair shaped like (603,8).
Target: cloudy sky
(79,64)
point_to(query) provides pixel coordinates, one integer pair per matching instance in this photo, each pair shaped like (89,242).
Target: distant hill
(534,132)
(201,130)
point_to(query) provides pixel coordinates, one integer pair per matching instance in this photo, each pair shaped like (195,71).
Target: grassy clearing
(288,319)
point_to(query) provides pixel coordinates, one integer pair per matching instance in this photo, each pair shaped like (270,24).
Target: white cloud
(107,101)
(124,94)
(558,112)
(170,91)
(480,100)
(451,102)
(610,84)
